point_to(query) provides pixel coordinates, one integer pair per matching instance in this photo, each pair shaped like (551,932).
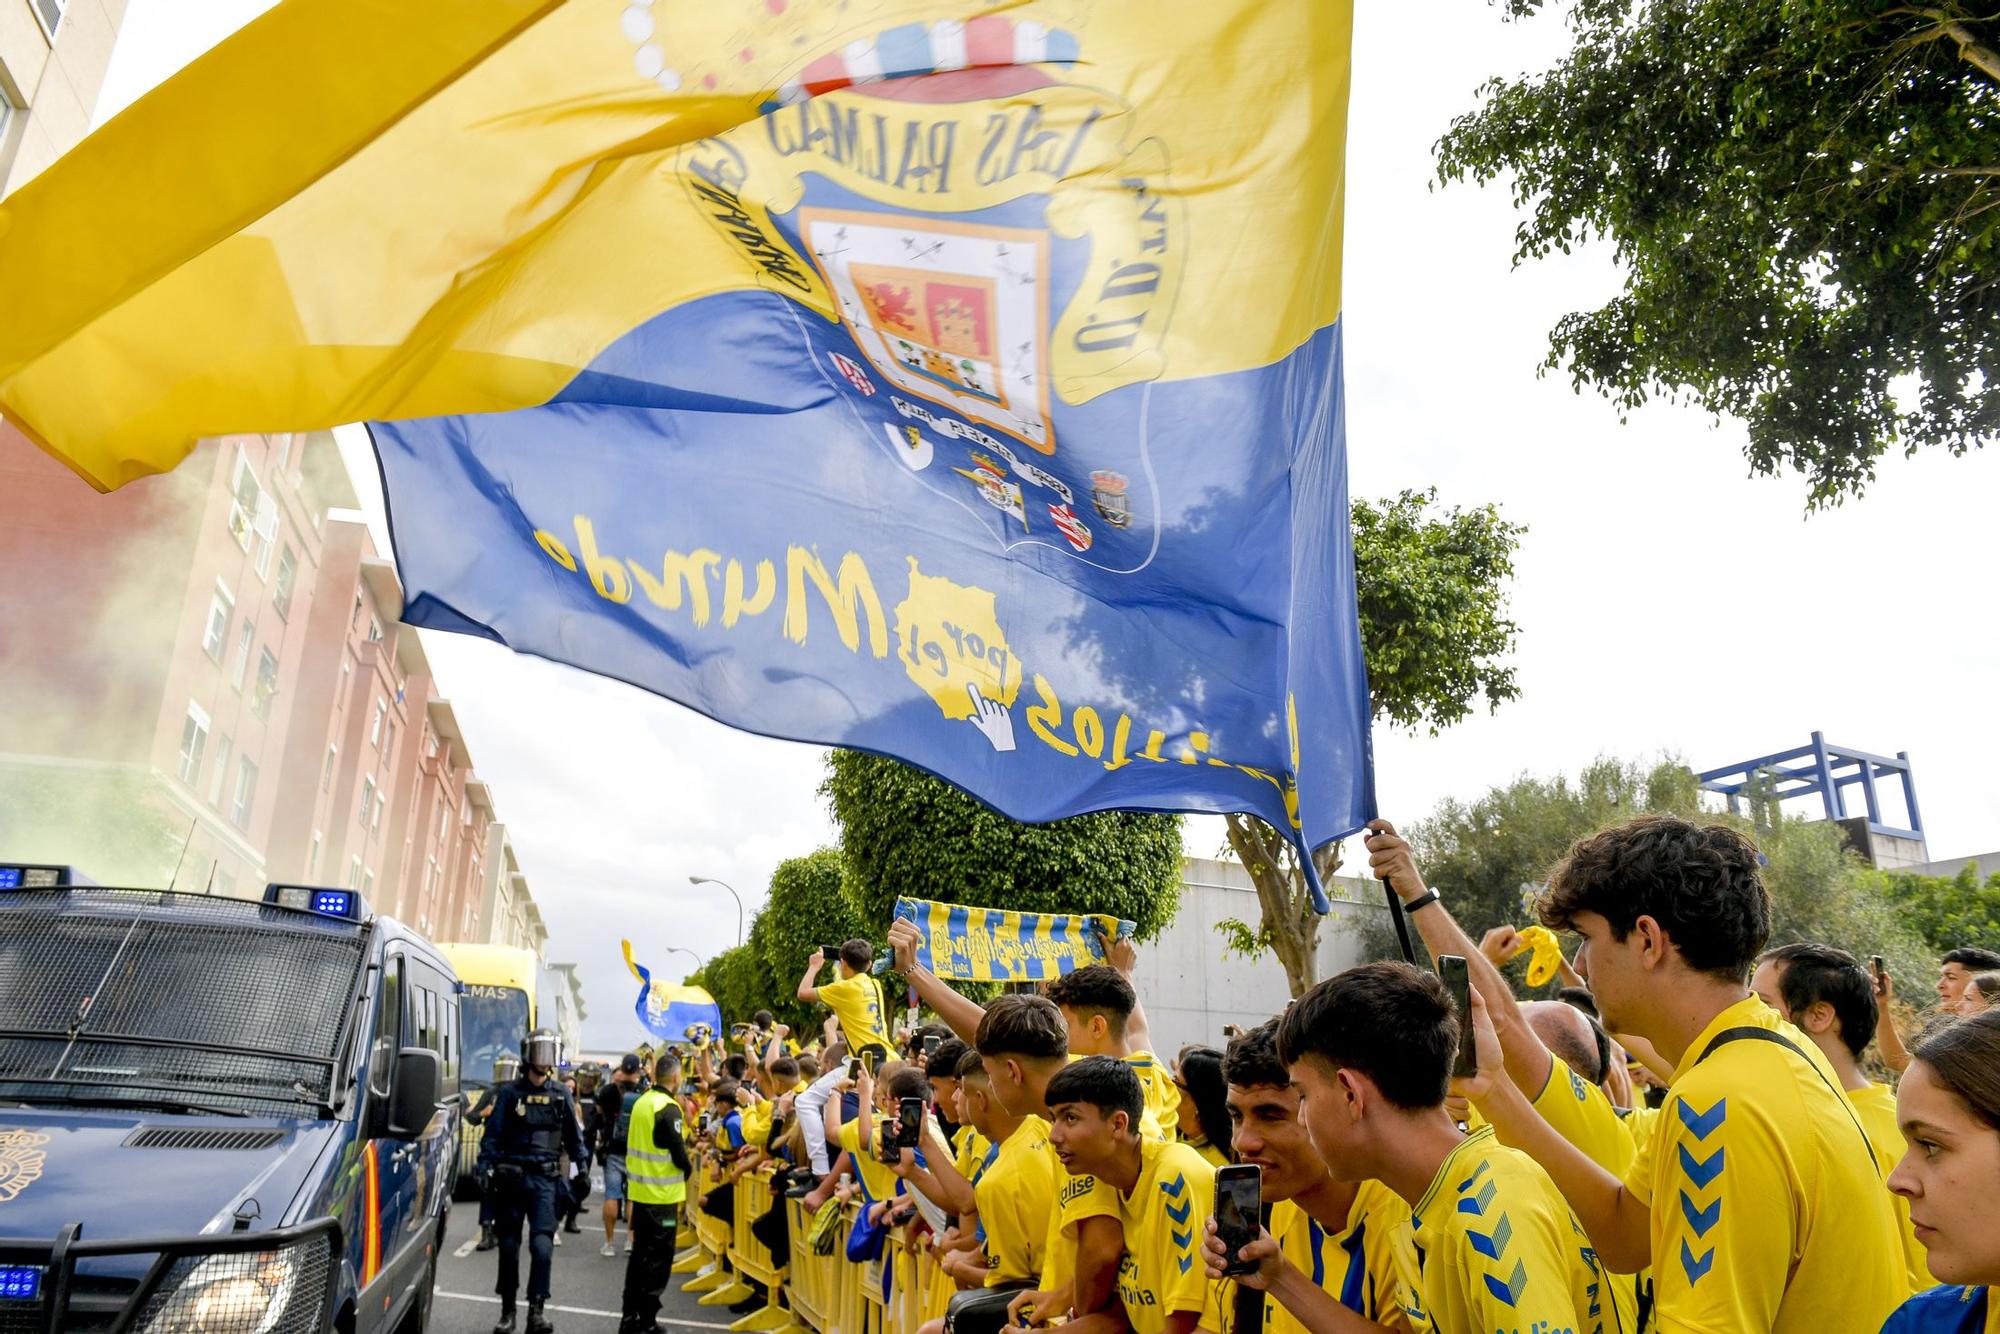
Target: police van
(219,1116)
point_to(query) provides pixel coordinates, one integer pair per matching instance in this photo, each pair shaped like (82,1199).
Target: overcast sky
(1668,602)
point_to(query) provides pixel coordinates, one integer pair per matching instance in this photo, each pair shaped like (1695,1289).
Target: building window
(312,856)
(284,443)
(221,770)
(367,883)
(267,540)
(326,779)
(267,685)
(288,575)
(367,798)
(221,607)
(389,737)
(375,820)
(374,629)
(246,793)
(354,621)
(354,874)
(50,12)
(240,668)
(346,674)
(375,727)
(194,739)
(245,509)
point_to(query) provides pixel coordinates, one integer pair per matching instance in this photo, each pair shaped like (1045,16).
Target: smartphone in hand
(909,1123)
(1452,972)
(1239,1209)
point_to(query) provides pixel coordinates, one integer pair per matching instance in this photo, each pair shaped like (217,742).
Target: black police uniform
(531,1128)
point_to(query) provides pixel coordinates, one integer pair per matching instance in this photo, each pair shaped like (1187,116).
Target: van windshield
(493,1020)
(145,998)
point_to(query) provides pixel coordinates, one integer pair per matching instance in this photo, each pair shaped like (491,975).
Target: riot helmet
(541,1050)
(505,1068)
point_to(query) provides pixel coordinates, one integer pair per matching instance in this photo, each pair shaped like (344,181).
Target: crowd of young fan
(1688,1141)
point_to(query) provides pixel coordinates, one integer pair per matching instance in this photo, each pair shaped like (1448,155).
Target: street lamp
(705,880)
(682,949)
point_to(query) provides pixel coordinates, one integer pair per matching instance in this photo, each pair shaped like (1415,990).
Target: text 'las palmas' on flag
(956,381)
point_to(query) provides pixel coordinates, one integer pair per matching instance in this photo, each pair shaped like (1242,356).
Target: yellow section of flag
(358,210)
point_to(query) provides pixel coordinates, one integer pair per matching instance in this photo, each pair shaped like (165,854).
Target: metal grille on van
(194,1137)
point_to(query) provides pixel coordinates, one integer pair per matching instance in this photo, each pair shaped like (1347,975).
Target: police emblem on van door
(21,1161)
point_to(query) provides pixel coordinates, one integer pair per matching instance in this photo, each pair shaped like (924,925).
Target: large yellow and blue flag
(668,1011)
(953,379)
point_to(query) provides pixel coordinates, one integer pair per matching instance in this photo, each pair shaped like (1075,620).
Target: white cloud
(1667,600)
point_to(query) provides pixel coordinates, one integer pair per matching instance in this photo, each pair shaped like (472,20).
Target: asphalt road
(585,1284)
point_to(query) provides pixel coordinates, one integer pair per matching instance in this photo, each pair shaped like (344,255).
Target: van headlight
(247,1292)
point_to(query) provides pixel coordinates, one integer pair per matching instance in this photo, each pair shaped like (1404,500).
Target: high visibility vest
(650,1174)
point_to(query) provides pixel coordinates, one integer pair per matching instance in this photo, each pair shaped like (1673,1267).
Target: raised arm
(1390,859)
(1121,953)
(1619,1226)
(961,1014)
(1894,1054)
(807,991)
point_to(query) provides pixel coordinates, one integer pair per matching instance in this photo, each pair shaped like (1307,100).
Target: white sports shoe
(628,1243)
(607,1249)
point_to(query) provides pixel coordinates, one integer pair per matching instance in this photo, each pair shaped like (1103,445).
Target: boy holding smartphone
(1332,1267)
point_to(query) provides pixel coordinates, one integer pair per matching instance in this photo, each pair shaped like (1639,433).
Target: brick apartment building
(212,658)
(202,678)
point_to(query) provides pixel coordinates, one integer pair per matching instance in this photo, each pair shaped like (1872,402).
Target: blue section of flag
(1144,601)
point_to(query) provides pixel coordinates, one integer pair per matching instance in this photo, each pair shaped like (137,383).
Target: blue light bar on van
(26,875)
(20,1283)
(344,903)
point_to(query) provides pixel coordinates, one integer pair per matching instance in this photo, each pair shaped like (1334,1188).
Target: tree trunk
(1289,919)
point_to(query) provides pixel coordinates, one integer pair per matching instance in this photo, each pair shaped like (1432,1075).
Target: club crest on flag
(947,311)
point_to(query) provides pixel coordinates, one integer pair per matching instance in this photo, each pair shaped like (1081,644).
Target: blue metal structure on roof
(1825,771)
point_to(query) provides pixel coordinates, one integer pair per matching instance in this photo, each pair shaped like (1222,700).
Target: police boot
(505,1325)
(537,1322)
(487,1241)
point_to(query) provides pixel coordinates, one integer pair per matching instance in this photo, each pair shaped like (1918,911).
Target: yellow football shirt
(1493,1246)
(757,1123)
(1165,1215)
(860,1006)
(1016,1194)
(1768,1212)
(1356,1265)
(1581,1114)
(1163,1097)
(1077,1198)
(1876,1106)
(969,1153)
(878,1181)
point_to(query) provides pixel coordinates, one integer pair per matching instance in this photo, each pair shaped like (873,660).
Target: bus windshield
(494,1020)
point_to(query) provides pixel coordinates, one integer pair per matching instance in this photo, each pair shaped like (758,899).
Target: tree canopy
(1432,585)
(1805,201)
(904,832)
(806,909)
(1948,911)
(1489,856)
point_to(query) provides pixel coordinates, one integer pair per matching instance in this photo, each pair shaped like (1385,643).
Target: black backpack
(622,1127)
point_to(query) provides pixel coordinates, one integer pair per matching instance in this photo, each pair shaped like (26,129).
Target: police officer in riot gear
(532,1125)
(504,1070)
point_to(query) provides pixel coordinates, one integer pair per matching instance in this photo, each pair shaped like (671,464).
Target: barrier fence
(808,1293)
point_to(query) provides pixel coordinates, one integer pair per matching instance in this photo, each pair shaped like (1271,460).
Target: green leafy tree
(114,825)
(1805,200)
(1489,857)
(1948,911)
(905,833)
(736,980)
(1432,587)
(806,909)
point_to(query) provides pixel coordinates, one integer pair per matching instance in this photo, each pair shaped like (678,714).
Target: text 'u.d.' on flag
(1002,945)
(957,381)
(667,1011)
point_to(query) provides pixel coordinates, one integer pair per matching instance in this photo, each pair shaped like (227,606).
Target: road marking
(665,1319)
(466,1247)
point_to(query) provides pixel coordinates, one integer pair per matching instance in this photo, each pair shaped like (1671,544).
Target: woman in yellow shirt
(1949,1107)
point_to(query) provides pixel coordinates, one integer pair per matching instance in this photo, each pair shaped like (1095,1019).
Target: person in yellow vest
(1828,996)
(656,1175)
